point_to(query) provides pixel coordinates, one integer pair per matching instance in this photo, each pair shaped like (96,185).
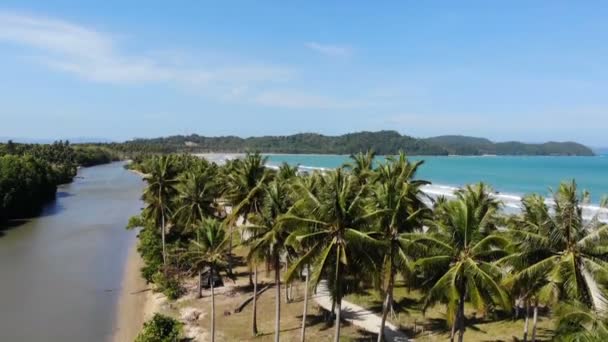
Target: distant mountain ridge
(464,145)
(382,142)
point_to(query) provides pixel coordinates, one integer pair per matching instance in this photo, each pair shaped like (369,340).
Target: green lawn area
(432,326)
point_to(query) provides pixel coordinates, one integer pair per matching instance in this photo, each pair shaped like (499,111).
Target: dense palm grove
(367,224)
(30,173)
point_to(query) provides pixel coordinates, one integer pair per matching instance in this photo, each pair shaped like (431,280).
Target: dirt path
(358,316)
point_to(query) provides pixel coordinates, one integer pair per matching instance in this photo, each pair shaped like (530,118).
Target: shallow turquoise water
(513,175)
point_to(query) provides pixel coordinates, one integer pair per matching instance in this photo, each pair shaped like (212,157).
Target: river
(62,271)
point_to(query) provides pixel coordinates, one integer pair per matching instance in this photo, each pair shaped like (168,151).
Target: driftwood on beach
(249,299)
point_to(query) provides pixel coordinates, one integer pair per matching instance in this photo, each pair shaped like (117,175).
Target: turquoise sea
(511,176)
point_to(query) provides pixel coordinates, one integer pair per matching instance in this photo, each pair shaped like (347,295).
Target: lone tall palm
(462,251)
(209,251)
(268,235)
(396,199)
(245,191)
(161,179)
(337,212)
(197,198)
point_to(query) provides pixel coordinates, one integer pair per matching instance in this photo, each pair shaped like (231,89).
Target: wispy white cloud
(102,57)
(96,56)
(330,49)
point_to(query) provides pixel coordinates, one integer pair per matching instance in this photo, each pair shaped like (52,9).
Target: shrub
(149,247)
(160,328)
(168,284)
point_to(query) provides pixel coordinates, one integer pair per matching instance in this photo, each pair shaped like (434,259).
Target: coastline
(135,304)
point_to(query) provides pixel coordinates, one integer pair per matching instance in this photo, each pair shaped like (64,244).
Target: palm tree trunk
(200,284)
(162,233)
(338,314)
(287,299)
(526,322)
(211,282)
(338,300)
(231,232)
(387,302)
(277,282)
(286,287)
(303,333)
(290,292)
(254,315)
(534,321)
(453,332)
(461,315)
(251,276)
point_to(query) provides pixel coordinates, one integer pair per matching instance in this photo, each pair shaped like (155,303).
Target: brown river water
(61,272)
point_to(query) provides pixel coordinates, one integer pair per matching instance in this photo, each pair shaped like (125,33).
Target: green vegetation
(29,174)
(382,142)
(461,145)
(453,265)
(160,329)
(208,252)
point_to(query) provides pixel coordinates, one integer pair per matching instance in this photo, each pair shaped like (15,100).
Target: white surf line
(509,200)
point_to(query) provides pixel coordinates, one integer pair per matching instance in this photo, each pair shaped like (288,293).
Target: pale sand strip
(135,303)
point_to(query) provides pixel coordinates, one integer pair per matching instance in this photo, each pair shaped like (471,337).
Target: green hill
(463,145)
(382,142)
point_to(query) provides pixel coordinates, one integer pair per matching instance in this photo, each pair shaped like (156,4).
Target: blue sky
(513,70)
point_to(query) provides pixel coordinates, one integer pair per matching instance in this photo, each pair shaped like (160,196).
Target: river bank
(137,302)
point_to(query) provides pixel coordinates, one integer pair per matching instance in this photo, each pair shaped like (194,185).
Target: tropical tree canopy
(559,251)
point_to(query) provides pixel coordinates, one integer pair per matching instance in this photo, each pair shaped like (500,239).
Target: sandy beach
(135,304)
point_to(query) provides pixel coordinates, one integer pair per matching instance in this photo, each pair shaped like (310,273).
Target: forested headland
(30,173)
(381,142)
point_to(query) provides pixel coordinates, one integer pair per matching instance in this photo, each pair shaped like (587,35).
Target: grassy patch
(237,326)
(432,325)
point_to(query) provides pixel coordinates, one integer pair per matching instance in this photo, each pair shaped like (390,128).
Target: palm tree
(308,183)
(208,251)
(245,191)
(396,198)
(559,252)
(361,165)
(287,172)
(534,219)
(161,179)
(337,212)
(461,250)
(245,188)
(197,196)
(268,235)
(287,175)
(197,199)
(577,322)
